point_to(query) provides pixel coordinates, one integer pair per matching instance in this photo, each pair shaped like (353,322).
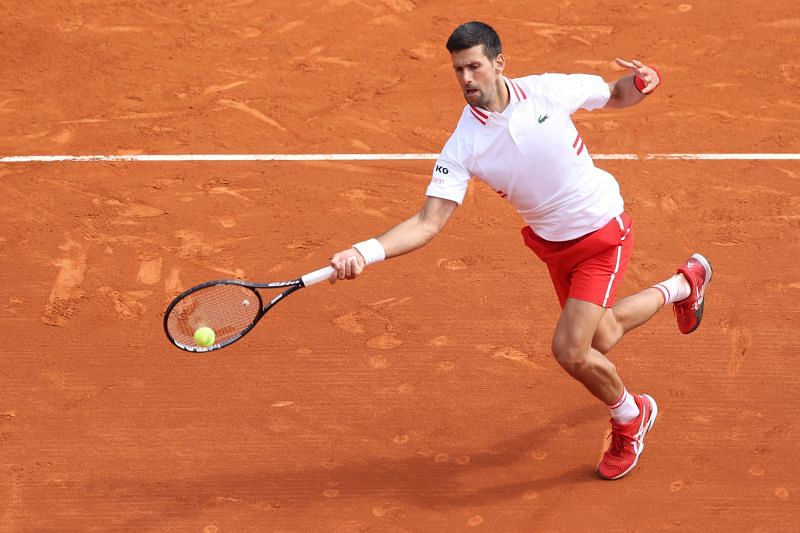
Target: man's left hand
(648,77)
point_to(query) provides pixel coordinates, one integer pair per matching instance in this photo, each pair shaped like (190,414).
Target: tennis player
(517,136)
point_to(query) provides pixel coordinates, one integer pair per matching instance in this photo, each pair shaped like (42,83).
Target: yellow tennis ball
(204,336)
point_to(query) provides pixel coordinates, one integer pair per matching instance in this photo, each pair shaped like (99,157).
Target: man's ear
(499,63)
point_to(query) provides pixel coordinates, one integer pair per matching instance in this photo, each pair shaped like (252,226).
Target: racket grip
(318,275)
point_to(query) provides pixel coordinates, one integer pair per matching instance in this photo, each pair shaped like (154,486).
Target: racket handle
(318,275)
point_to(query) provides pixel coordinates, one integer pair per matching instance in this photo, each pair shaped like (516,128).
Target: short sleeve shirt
(533,155)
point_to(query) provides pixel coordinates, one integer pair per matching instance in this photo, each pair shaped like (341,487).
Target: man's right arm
(403,238)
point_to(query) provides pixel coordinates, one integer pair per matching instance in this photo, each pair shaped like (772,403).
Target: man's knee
(577,362)
(576,329)
(572,358)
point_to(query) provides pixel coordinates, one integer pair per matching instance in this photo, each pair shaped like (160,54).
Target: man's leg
(632,415)
(572,347)
(627,314)
(685,289)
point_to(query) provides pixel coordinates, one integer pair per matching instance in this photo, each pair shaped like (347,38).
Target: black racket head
(229,307)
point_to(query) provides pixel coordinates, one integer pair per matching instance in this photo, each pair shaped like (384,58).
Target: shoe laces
(619,440)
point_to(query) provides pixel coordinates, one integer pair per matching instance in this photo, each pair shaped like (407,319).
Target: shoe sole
(710,273)
(700,258)
(653,415)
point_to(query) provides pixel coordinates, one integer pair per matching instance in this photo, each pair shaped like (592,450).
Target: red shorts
(588,268)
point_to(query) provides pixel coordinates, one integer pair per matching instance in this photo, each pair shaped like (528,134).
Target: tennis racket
(229,307)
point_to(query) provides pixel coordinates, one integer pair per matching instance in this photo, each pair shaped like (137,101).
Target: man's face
(477,75)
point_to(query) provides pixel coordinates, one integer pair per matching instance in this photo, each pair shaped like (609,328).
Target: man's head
(478,62)
(472,34)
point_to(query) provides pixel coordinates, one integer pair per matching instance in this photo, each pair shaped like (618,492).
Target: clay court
(423,396)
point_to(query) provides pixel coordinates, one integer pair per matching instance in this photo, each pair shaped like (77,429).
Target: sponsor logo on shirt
(438,180)
(442,169)
(543,118)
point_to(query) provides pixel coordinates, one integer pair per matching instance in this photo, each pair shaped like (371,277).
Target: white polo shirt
(533,155)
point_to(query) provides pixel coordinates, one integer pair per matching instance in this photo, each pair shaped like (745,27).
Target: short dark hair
(472,34)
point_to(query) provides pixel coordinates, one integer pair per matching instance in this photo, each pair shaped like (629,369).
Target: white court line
(359,157)
(723,157)
(213,157)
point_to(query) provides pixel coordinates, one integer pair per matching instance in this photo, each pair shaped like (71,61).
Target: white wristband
(372,250)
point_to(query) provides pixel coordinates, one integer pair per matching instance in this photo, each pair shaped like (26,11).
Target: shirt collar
(515,94)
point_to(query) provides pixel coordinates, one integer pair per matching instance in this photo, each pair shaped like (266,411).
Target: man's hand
(648,78)
(347,264)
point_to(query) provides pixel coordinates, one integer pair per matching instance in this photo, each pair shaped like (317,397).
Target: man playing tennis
(517,135)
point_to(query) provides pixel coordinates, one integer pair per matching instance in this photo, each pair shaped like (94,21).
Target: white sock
(625,409)
(674,289)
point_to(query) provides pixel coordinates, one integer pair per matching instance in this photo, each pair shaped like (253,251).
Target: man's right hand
(347,264)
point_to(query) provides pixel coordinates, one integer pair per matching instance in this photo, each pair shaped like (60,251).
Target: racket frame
(291,286)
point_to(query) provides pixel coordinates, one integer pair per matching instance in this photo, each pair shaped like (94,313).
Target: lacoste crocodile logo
(543,118)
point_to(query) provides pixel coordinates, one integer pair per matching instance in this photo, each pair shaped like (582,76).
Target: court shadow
(415,481)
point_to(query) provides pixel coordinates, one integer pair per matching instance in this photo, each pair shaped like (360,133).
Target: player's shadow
(418,481)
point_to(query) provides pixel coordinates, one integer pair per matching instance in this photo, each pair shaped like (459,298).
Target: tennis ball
(204,336)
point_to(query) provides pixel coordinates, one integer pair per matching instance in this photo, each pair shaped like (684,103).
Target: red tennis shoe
(627,440)
(689,311)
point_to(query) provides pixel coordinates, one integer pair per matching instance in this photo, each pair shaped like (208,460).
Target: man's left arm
(632,89)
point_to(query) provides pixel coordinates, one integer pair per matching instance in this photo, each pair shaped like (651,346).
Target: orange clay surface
(422,397)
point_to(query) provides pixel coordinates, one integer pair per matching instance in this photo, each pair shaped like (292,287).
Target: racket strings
(227,309)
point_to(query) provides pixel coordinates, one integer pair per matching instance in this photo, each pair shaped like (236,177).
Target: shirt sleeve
(450,177)
(577,91)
